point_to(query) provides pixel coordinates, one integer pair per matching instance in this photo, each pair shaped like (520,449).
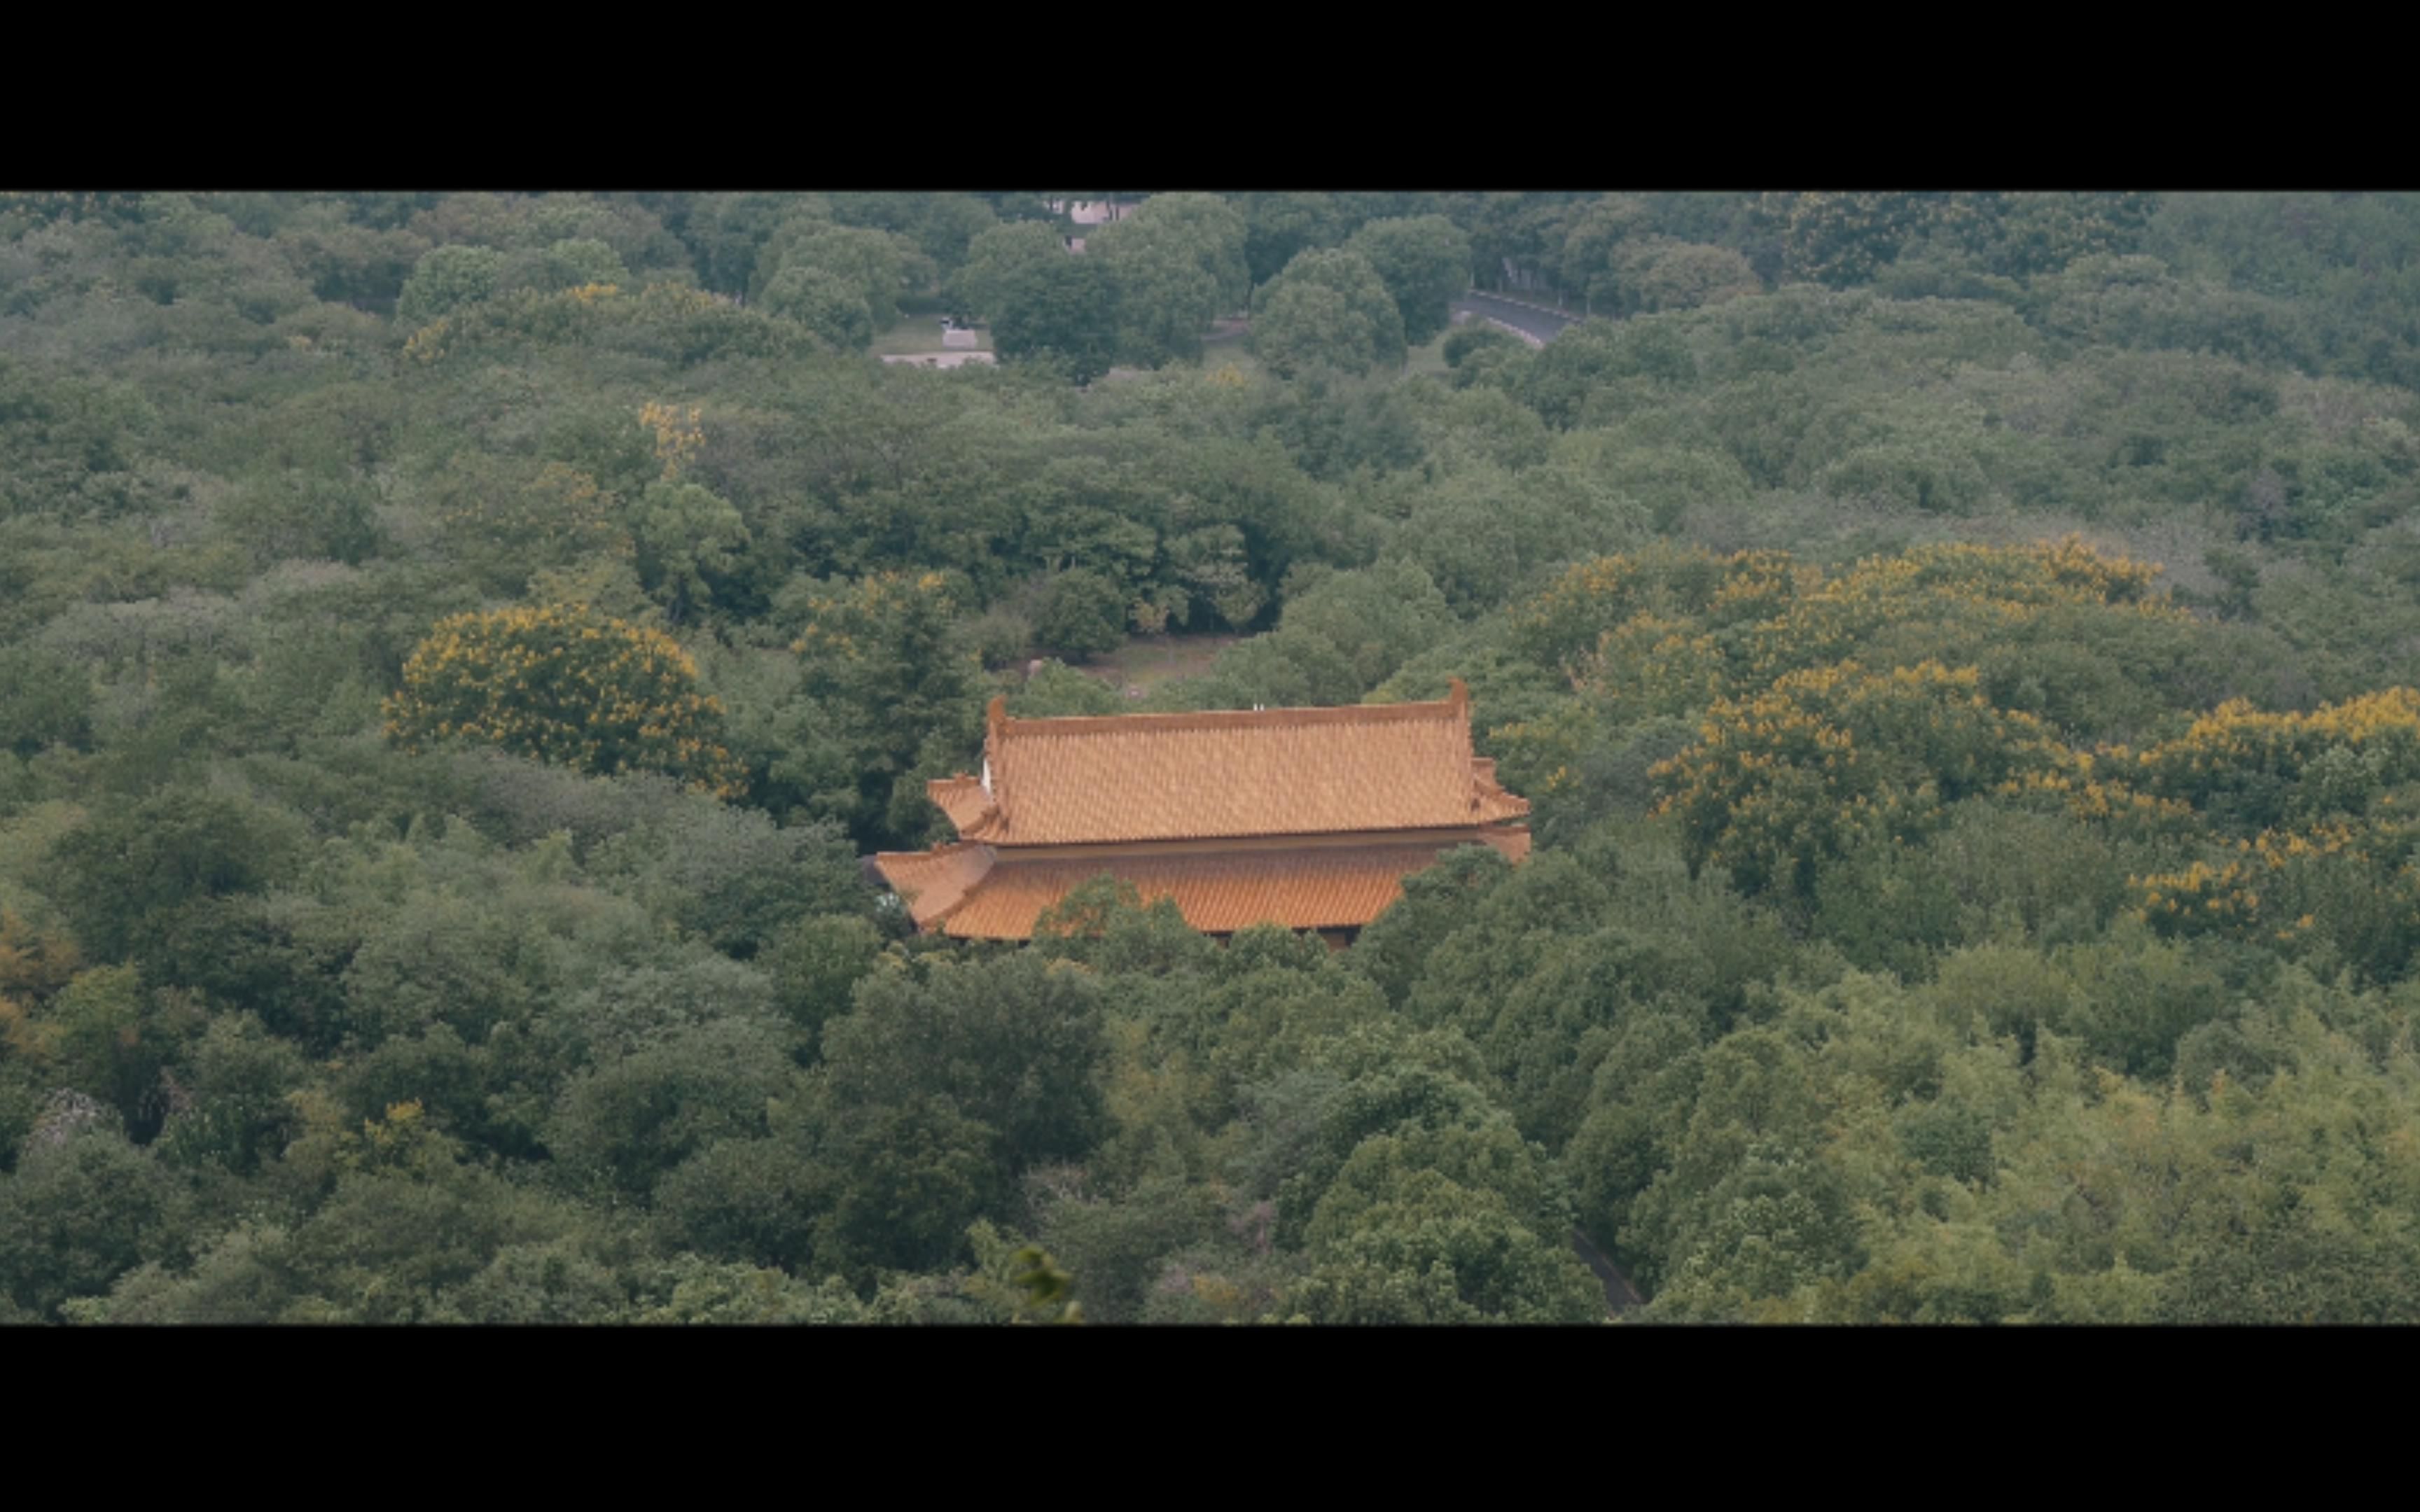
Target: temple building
(1306,818)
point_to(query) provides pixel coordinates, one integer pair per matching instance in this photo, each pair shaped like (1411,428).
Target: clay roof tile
(1230,774)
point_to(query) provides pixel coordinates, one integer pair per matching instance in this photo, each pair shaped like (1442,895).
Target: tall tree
(1424,261)
(1327,309)
(1063,310)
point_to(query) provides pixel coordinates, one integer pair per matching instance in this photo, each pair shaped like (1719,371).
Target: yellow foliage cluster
(836,623)
(2075,566)
(2090,795)
(679,435)
(1946,582)
(1803,750)
(1596,597)
(1761,585)
(428,343)
(1674,667)
(2318,783)
(2236,741)
(561,683)
(561,315)
(1791,615)
(1667,630)
(2225,891)
(1779,780)
(2280,884)
(1542,752)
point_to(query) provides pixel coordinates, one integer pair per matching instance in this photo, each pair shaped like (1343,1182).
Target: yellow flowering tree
(1608,619)
(2324,853)
(562,683)
(1666,632)
(1780,782)
(2240,765)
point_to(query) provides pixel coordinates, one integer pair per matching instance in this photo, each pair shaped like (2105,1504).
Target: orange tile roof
(973,892)
(962,798)
(934,881)
(1307,818)
(1228,773)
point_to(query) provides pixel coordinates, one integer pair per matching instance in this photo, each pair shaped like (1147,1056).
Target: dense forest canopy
(455,649)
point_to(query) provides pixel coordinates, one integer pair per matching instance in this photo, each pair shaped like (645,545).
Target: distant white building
(1093,211)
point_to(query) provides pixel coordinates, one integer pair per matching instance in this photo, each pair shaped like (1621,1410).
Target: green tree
(689,1289)
(1438,1251)
(912,1176)
(295,515)
(1211,228)
(1683,277)
(82,1208)
(817,964)
(1279,225)
(995,259)
(1327,309)
(1178,263)
(1166,299)
(44,700)
(1424,261)
(824,302)
(129,866)
(236,1106)
(727,232)
(634,1121)
(578,262)
(686,538)
(502,524)
(729,874)
(1062,311)
(752,1201)
(1468,340)
(884,656)
(879,264)
(1013,1046)
(1082,614)
(446,279)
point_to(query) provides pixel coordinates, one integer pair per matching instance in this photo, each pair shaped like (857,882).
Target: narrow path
(1619,1295)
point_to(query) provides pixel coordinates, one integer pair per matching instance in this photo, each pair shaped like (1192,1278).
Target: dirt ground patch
(1144,662)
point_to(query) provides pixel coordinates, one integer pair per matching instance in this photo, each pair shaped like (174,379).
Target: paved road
(1619,1295)
(1536,323)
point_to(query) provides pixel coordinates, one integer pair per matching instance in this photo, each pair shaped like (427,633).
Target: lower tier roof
(971,891)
